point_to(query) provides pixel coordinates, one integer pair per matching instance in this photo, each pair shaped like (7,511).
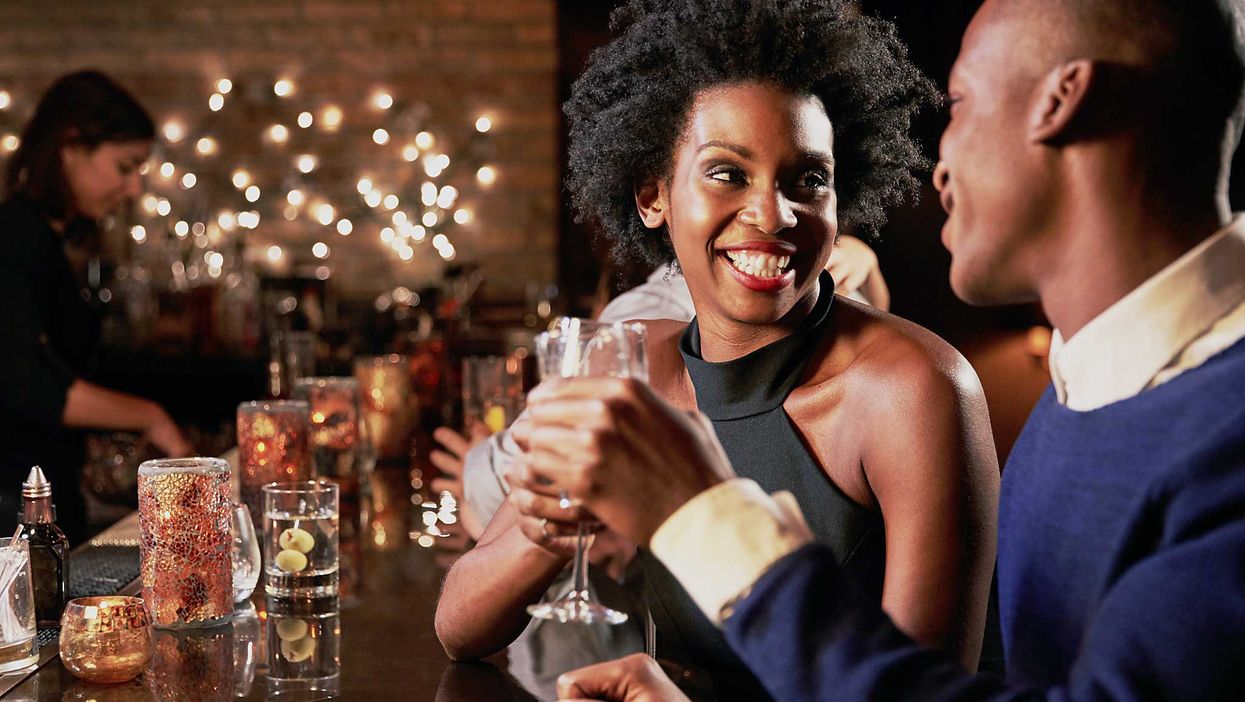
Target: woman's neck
(724,340)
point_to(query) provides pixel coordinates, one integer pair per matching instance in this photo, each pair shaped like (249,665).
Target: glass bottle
(49,549)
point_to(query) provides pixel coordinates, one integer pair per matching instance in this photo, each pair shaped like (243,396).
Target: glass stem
(579,572)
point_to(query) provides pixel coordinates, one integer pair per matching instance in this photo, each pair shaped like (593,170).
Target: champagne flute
(577,348)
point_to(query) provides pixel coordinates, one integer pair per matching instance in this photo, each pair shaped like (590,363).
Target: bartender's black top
(46,340)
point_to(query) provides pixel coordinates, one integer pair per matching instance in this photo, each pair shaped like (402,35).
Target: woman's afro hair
(629,108)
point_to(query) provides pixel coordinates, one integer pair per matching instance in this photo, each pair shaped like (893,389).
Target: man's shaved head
(1184,61)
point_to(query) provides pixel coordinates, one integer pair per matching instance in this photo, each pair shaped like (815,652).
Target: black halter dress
(744,399)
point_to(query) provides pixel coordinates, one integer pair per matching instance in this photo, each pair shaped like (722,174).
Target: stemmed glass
(578,348)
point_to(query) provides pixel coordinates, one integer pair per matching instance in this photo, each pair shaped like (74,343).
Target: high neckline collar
(759,381)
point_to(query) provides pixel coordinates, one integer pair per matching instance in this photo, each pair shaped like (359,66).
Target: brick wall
(444,61)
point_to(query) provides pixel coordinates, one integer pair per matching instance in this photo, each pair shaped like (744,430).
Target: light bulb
(240,179)
(483,124)
(462,216)
(410,153)
(138,233)
(307,163)
(331,117)
(383,100)
(424,140)
(487,175)
(275,253)
(295,197)
(305,119)
(373,198)
(391,202)
(167,170)
(252,193)
(320,250)
(216,102)
(430,219)
(278,133)
(174,131)
(189,180)
(380,136)
(283,87)
(344,227)
(364,186)
(223,86)
(206,146)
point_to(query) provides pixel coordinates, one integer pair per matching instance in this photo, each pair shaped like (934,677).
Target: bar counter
(388,648)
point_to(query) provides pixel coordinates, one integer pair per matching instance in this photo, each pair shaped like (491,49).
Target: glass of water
(18,647)
(300,539)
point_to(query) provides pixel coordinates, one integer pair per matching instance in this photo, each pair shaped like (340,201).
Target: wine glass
(577,348)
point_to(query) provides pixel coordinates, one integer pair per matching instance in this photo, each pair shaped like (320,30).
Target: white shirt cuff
(725,538)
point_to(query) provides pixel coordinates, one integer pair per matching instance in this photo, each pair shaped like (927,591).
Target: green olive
(291,561)
(300,540)
(291,629)
(298,651)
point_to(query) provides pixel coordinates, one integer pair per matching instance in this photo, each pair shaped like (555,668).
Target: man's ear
(1061,100)
(651,202)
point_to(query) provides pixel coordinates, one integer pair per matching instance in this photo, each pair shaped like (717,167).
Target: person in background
(780,119)
(1085,166)
(79,161)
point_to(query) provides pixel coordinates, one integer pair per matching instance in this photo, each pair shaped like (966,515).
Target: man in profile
(1085,166)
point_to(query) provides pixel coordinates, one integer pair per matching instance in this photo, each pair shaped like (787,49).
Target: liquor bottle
(49,549)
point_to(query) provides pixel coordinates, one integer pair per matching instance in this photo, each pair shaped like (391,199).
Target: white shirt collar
(1118,353)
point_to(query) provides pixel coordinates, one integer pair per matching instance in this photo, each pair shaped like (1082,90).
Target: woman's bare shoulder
(881,358)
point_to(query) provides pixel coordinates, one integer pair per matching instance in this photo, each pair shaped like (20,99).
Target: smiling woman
(731,136)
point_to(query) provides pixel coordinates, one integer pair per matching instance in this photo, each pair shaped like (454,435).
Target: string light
(150,202)
(439,241)
(344,227)
(487,175)
(483,124)
(418,233)
(462,216)
(424,140)
(214,259)
(305,119)
(248,219)
(227,221)
(296,197)
(383,100)
(430,219)
(167,170)
(307,163)
(10,142)
(387,234)
(5,99)
(399,218)
(252,193)
(223,86)
(275,253)
(189,180)
(407,253)
(206,146)
(410,153)
(325,214)
(432,166)
(428,194)
(391,202)
(373,198)
(173,131)
(138,233)
(380,136)
(283,87)
(364,186)
(198,229)
(447,197)
(278,133)
(447,252)
(240,179)
(181,229)
(216,102)
(163,208)
(331,117)
(320,250)
(290,213)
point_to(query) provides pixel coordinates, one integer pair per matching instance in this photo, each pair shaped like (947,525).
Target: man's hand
(854,267)
(450,461)
(163,433)
(636,678)
(618,451)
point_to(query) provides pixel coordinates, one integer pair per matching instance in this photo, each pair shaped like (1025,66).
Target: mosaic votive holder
(336,442)
(106,639)
(192,665)
(185,542)
(272,447)
(387,402)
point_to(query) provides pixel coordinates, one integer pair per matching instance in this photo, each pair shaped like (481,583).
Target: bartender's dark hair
(629,108)
(86,108)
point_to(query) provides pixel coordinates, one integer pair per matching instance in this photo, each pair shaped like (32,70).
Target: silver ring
(544,529)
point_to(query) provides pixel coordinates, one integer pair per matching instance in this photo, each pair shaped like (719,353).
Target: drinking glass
(272,446)
(300,539)
(18,648)
(246,561)
(581,347)
(492,391)
(304,641)
(337,448)
(106,639)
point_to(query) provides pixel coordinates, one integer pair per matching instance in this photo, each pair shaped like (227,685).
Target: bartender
(78,161)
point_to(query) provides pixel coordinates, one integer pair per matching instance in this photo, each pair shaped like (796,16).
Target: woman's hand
(636,678)
(164,434)
(618,451)
(545,522)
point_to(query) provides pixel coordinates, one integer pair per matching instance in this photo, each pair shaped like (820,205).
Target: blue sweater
(1121,568)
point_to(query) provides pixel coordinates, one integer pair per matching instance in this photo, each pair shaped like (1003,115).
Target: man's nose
(942,175)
